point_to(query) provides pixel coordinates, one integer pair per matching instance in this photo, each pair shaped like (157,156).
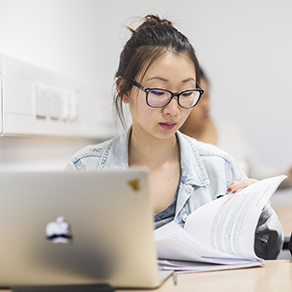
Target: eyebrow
(157,77)
(165,80)
(189,79)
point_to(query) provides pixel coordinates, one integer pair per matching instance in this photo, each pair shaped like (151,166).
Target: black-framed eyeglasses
(159,97)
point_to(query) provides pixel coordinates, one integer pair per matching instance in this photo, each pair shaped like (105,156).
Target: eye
(157,92)
(188,94)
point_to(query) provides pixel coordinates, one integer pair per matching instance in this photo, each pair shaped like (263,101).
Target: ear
(119,86)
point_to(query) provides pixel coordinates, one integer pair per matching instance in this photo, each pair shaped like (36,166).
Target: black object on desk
(70,288)
(290,244)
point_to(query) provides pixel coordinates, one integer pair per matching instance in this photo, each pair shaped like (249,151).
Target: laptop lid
(77,228)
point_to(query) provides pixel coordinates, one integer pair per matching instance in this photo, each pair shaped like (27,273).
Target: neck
(152,153)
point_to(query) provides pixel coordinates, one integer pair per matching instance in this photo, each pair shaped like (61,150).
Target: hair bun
(150,20)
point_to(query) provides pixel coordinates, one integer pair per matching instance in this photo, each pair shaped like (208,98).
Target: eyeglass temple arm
(137,84)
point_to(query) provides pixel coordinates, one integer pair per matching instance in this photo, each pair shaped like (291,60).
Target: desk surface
(273,276)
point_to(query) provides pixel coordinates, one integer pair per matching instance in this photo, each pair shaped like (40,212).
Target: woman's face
(172,72)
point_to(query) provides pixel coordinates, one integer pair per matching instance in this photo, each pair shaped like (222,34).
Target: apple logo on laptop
(59,231)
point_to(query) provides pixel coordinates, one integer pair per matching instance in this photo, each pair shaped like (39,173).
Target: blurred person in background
(228,137)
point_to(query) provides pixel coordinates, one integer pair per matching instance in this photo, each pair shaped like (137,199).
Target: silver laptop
(60,229)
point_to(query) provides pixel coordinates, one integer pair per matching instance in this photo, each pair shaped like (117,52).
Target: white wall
(244,46)
(60,36)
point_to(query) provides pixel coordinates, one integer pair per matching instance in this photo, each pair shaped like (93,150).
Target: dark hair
(149,41)
(204,76)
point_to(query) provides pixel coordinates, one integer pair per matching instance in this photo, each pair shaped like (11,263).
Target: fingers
(236,186)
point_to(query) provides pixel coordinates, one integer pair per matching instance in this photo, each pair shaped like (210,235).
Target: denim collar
(116,154)
(193,169)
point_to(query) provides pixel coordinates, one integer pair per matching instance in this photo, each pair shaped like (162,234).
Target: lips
(167,126)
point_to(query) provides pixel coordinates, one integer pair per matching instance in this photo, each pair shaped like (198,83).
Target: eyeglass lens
(160,97)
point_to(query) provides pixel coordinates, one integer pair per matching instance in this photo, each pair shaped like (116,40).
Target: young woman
(159,77)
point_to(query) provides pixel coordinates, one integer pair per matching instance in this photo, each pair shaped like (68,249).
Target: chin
(168,133)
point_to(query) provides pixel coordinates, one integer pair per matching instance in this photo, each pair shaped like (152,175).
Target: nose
(172,108)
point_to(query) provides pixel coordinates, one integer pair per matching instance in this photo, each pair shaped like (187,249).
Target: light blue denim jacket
(206,173)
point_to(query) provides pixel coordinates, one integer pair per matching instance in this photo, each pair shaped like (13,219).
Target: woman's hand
(238,185)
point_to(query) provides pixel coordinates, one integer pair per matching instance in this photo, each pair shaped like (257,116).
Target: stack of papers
(218,235)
